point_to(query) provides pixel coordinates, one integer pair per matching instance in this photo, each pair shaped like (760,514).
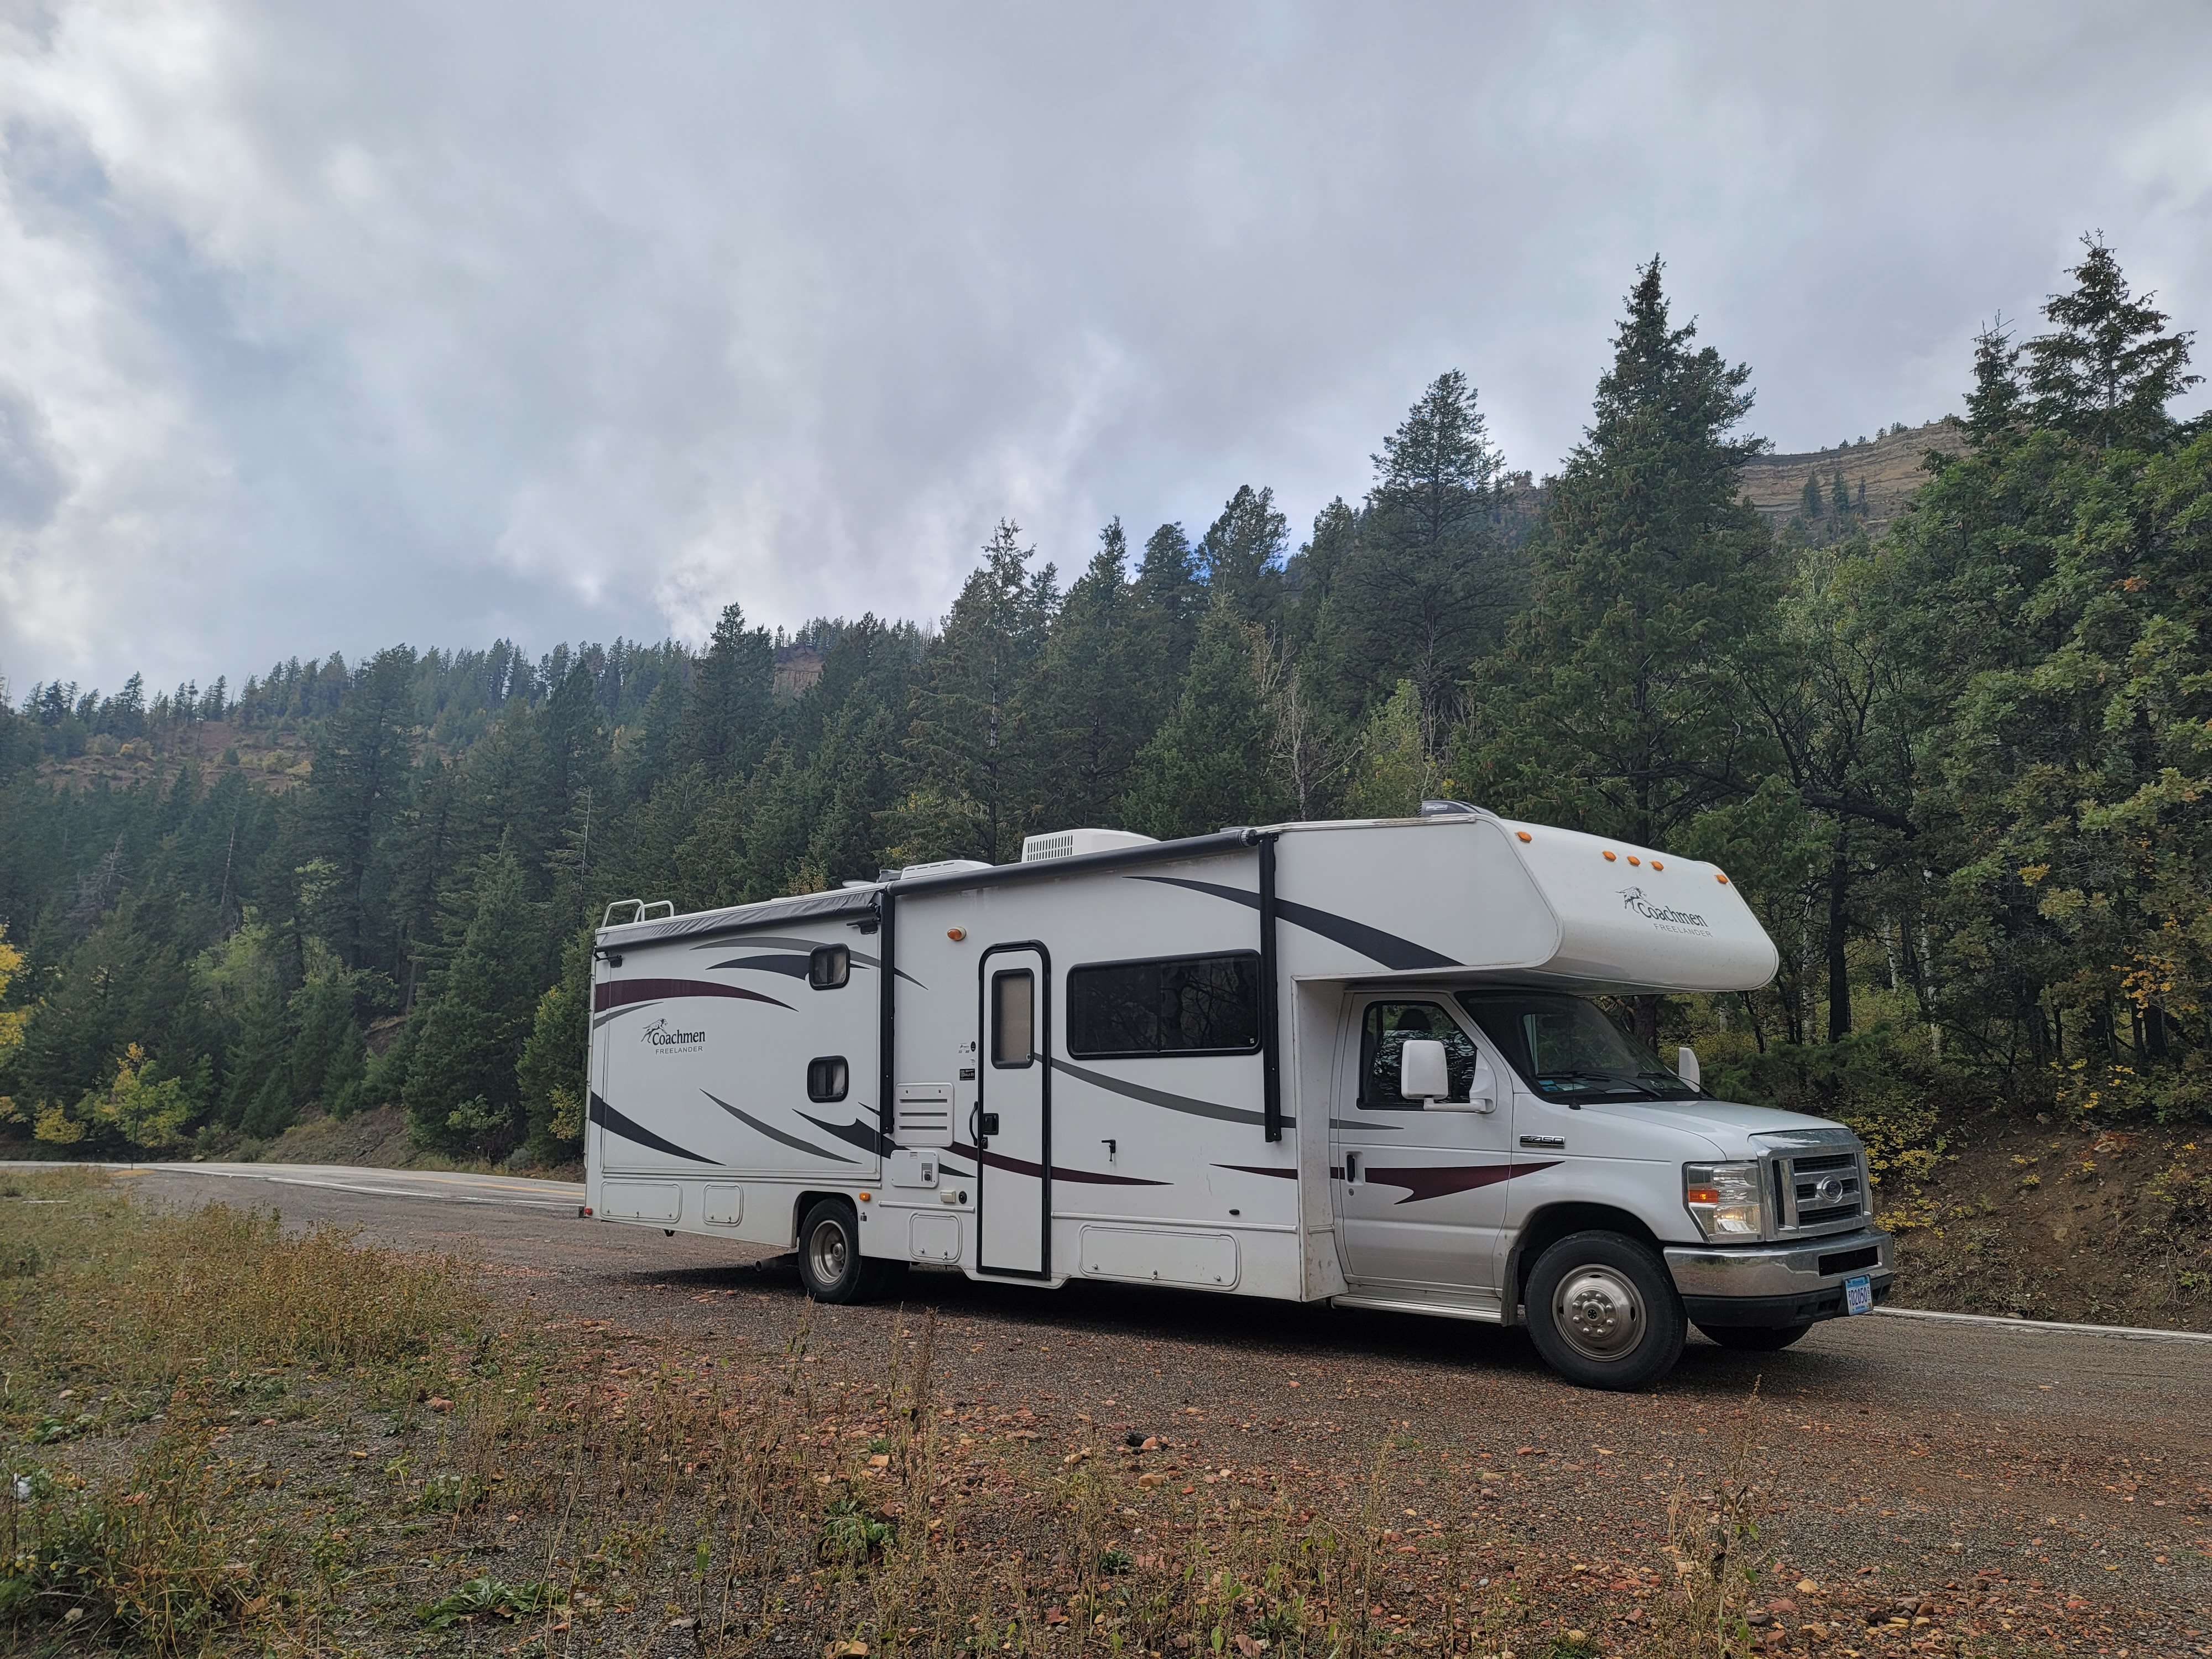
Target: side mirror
(1424,1070)
(1685,1066)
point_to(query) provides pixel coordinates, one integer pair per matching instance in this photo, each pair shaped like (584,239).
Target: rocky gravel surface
(1928,1487)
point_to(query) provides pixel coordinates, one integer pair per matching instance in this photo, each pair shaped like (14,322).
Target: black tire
(1755,1338)
(1603,1312)
(830,1264)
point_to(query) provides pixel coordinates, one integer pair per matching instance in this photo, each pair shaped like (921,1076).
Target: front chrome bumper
(1758,1283)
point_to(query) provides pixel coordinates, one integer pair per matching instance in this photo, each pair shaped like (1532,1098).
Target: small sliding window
(1173,1005)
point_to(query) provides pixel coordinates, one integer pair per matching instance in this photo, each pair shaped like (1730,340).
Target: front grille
(1820,1189)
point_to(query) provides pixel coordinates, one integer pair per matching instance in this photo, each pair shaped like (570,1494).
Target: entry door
(1014,1109)
(1421,1194)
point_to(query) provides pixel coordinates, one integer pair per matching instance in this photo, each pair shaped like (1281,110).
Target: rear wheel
(1755,1338)
(1603,1312)
(830,1264)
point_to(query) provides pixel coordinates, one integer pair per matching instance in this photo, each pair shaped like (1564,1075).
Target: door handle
(1351,1169)
(990,1125)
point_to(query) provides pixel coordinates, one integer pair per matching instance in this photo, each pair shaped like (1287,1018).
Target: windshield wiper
(1608,1079)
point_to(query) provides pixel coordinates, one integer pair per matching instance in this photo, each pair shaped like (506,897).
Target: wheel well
(807,1201)
(1547,1226)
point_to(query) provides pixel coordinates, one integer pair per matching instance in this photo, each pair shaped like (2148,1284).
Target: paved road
(1929,1451)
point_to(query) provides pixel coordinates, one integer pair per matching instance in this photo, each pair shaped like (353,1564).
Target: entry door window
(1383,1035)
(1013,1018)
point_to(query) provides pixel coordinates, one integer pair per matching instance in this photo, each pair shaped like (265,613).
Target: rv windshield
(1566,1048)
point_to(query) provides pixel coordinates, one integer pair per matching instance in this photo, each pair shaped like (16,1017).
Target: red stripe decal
(1441,1181)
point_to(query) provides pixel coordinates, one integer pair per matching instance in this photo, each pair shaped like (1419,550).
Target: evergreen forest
(1960,763)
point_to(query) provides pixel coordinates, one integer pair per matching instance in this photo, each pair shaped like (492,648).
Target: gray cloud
(343,325)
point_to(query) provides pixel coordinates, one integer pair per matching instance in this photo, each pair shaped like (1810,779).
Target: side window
(828,1077)
(1013,1017)
(828,966)
(1383,1034)
(1180,1005)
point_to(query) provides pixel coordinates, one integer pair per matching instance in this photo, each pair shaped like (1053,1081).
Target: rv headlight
(1725,1200)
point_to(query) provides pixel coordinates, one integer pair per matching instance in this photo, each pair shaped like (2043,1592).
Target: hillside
(1887,469)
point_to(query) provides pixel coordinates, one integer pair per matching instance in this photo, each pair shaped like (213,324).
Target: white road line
(405,1192)
(2125,1333)
(427,1193)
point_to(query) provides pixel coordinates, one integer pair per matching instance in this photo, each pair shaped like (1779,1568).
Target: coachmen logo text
(665,1037)
(1636,899)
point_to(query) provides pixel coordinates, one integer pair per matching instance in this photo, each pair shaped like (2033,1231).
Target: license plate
(1858,1295)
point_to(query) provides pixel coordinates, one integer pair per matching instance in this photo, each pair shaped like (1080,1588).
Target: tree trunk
(1646,1009)
(1839,978)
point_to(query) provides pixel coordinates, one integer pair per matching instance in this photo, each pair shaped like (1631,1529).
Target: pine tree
(975,741)
(1810,505)
(1092,707)
(550,1075)
(1839,495)
(1241,553)
(1994,408)
(1609,708)
(1422,586)
(465,1060)
(358,784)
(1209,765)
(2110,369)
(725,724)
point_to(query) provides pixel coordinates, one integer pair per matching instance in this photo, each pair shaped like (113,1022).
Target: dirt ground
(2051,1221)
(1931,1486)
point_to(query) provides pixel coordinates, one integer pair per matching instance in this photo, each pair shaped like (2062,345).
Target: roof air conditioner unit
(1074,843)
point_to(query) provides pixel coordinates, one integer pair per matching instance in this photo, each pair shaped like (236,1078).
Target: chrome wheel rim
(1598,1312)
(827,1252)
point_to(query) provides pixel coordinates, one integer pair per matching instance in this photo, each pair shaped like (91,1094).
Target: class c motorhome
(1353,1062)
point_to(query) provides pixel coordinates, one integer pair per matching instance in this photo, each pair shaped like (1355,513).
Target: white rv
(1353,1062)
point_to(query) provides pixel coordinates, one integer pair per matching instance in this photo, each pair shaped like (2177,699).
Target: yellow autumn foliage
(11,1022)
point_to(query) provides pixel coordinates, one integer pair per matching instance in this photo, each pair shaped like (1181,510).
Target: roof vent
(1074,843)
(1452,809)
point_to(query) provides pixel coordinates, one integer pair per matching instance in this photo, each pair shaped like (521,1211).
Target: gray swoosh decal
(615,1122)
(1162,1097)
(752,1122)
(793,965)
(768,943)
(1370,942)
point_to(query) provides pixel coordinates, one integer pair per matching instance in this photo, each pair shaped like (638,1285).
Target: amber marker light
(864,1197)
(1608,858)
(1655,864)
(955,934)
(1719,878)
(1524,835)
(1701,1195)
(1633,859)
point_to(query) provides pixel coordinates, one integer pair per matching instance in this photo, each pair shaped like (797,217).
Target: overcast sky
(327,326)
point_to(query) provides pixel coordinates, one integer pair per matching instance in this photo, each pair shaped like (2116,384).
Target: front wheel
(830,1264)
(1603,1312)
(1755,1338)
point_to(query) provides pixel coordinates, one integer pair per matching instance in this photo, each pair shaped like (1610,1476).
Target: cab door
(1012,1115)
(1420,1190)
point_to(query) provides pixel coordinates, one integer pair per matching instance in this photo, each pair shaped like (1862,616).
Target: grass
(232,1437)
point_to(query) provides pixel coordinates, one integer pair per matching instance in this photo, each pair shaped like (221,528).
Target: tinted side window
(1382,1037)
(828,1077)
(1181,1005)
(828,966)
